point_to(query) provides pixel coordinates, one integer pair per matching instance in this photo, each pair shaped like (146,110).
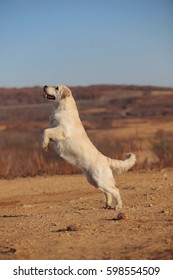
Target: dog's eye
(57,88)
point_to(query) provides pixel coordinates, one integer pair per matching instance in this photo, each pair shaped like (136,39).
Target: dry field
(47,216)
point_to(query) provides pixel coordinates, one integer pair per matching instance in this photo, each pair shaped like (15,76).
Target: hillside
(117,118)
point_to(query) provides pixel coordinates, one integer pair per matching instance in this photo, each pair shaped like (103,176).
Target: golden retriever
(72,144)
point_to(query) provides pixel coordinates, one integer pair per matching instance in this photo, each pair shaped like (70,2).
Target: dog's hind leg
(108,200)
(112,192)
(116,194)
(102,183)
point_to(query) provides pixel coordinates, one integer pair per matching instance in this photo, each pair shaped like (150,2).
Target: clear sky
(83,42)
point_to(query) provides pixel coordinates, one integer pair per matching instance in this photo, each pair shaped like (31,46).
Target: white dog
(72,144)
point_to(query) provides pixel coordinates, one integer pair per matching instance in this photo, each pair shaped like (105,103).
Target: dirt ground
(63,217)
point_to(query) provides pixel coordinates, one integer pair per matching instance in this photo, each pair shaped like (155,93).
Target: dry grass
(162,146)
(22,163)
(22,156)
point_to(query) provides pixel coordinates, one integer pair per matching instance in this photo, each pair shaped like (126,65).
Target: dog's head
(57,93)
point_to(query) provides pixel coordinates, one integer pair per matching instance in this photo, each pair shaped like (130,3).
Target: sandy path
(62,217)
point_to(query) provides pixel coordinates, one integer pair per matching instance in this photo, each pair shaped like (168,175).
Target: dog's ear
(66,92)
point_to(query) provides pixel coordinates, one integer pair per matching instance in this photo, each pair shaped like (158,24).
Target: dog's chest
(55,119)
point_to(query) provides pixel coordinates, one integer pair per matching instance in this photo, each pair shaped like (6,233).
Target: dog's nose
(45,87)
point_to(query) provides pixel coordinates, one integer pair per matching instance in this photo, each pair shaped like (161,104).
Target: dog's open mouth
(48,96)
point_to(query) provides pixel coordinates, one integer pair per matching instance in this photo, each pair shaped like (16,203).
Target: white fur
(72,144)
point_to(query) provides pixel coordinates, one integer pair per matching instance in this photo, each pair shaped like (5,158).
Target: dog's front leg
(46,139)
(51,134)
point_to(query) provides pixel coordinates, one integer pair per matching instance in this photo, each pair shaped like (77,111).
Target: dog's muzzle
(47,95)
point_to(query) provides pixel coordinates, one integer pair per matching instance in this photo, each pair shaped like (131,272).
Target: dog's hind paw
(108,207)
(118,206)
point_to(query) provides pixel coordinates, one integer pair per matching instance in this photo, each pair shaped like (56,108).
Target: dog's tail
(122,165)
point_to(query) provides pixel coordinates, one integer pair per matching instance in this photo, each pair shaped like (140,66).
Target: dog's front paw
(45,145)
(45,141)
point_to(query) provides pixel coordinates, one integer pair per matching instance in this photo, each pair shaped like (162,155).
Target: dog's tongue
(45,95)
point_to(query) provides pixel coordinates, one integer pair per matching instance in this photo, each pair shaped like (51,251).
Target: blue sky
(86,42)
